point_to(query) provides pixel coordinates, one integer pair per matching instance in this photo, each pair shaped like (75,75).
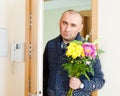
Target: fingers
(74,83)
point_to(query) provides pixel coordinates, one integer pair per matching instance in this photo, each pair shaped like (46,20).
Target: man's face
(70,25)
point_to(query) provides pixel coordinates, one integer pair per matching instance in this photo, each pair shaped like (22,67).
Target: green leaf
(87,77)
(99,51)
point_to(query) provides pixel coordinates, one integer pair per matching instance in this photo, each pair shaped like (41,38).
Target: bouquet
(80,56)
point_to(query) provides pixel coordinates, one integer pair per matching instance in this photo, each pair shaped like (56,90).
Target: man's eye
(64,22)
(73,25)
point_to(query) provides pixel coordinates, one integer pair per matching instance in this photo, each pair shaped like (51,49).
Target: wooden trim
(94,29)
(95,93)
(94,26)
(27,40)
(85,13)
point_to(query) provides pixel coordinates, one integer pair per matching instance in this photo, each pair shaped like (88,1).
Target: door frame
(94,36)
(94,27)
(86,14)
(27,40)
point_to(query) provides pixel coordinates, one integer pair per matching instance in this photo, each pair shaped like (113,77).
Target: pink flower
(89,50)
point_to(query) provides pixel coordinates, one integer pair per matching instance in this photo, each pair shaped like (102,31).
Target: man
(56,81)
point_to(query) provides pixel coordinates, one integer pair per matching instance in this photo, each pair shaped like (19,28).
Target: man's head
(70,24)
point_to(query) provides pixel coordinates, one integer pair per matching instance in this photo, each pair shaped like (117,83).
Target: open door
(33,48)
(31,51)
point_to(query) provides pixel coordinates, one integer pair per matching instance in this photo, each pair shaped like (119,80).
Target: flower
(80,59)
(90,50)
(75,50)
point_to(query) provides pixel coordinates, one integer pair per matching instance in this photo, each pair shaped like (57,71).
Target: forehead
(71,17)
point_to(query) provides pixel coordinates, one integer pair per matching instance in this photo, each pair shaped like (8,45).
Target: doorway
(33,59)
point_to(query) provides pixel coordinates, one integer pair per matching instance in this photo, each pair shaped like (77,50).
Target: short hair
(72,12)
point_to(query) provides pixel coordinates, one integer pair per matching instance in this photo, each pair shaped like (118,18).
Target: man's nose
(68,28)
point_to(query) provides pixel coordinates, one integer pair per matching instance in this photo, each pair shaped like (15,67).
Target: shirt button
(59,72)
(57,87)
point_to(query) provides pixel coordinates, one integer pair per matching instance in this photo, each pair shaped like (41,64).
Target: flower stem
(70,92)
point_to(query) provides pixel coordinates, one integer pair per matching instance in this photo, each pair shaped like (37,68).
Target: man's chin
(68,40)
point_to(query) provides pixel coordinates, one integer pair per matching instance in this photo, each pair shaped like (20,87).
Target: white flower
(88,62)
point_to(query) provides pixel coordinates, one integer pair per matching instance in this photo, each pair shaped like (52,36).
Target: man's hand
(74,83)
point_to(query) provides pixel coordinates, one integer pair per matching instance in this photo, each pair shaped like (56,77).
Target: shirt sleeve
(45,71)
(97,81)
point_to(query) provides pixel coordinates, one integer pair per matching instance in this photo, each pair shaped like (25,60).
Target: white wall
(109,34)
(12,17)
(16,28)
(3,60)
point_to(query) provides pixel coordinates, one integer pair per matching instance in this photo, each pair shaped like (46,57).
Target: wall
(3,60)
(16,29)
(109,30)
(12,17)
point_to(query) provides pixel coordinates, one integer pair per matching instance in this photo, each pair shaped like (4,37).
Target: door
(31,78)
(87,21)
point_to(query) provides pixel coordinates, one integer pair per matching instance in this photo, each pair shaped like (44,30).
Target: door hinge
(29,85)
(30,21)
(30,49)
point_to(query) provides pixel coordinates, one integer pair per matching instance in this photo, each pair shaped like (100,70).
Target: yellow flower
(74,50)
